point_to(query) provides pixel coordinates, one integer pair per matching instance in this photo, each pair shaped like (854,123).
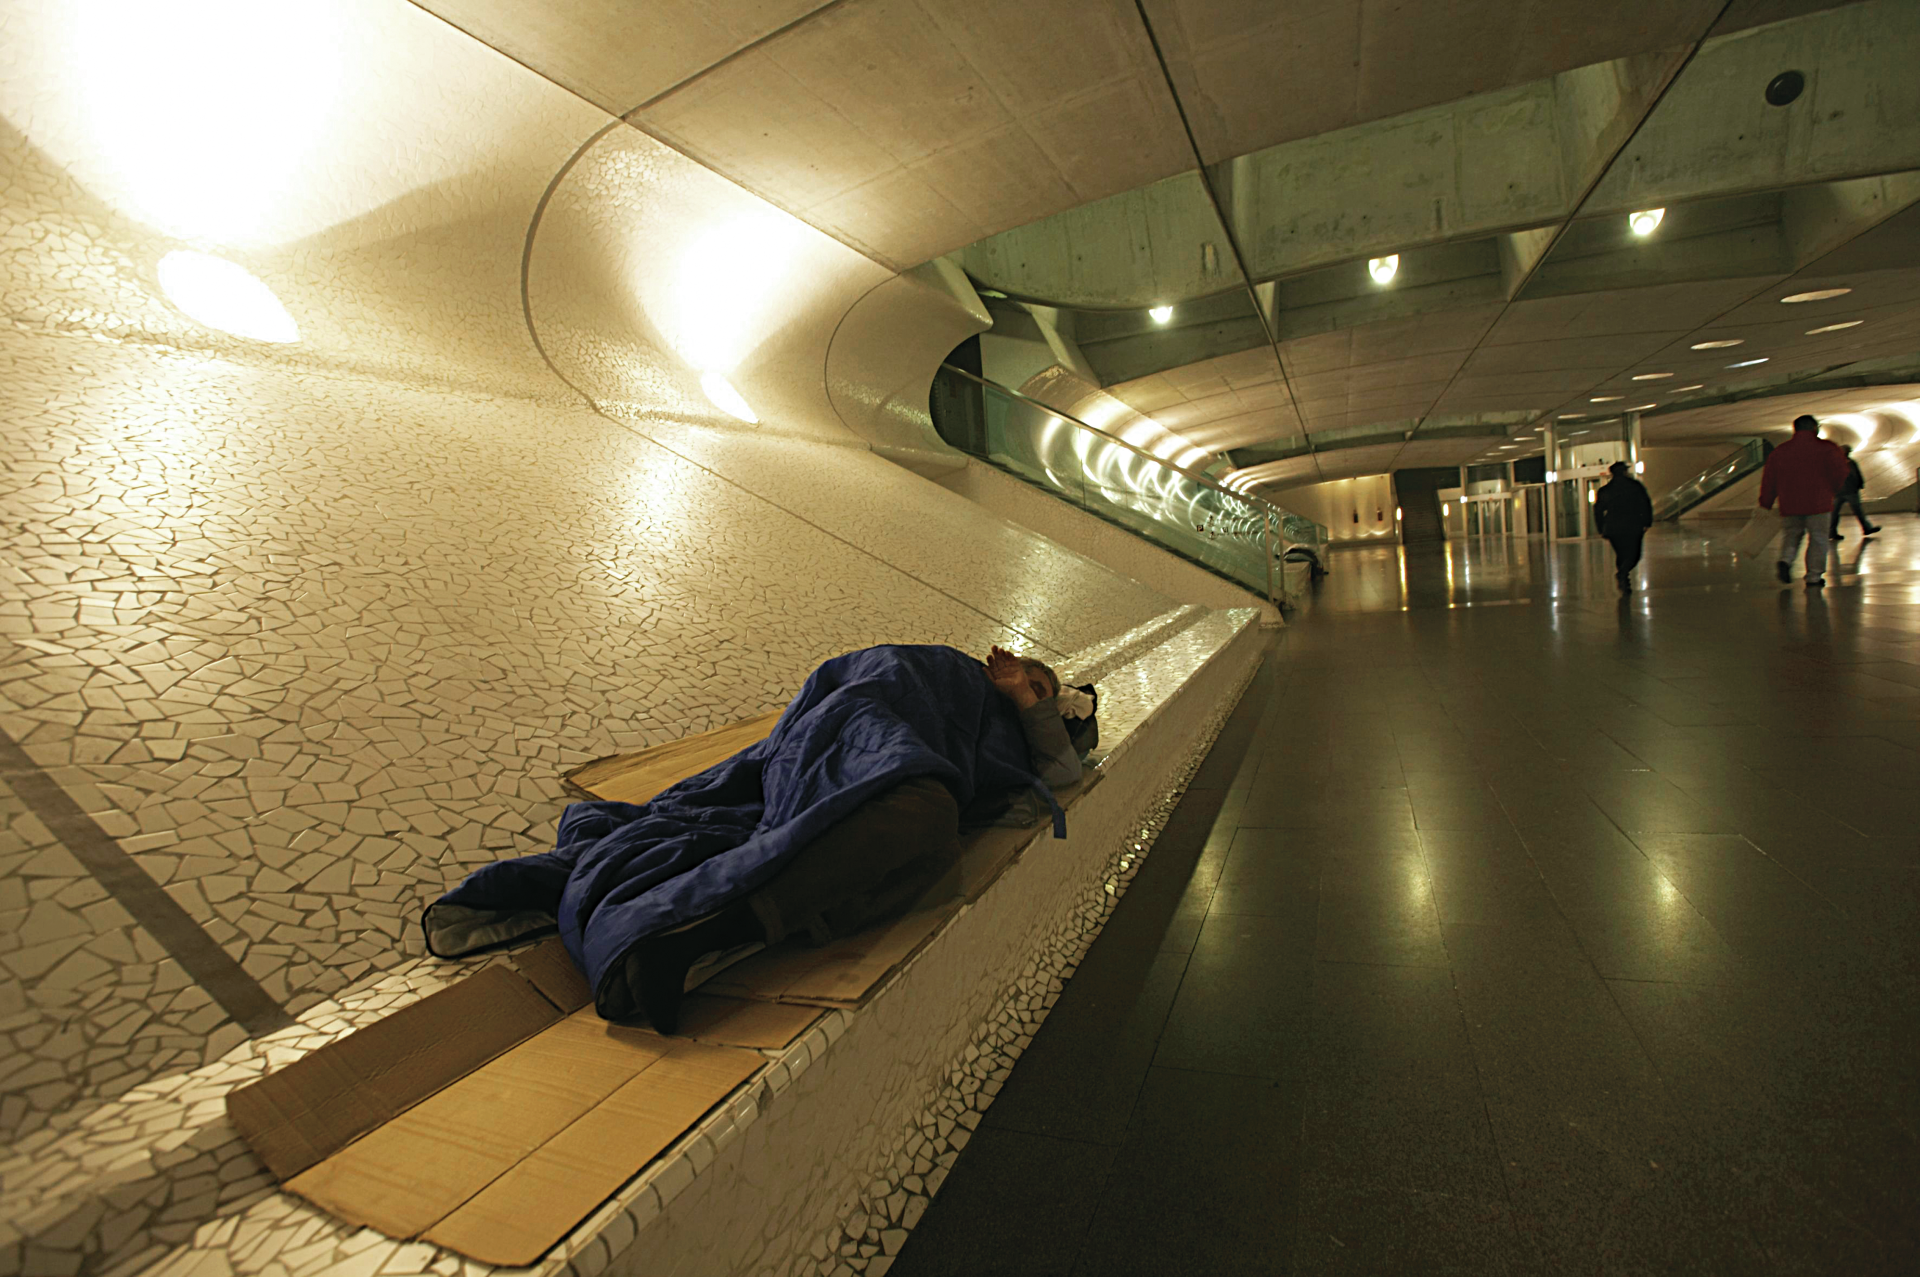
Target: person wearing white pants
(1816,528)
(1804,474)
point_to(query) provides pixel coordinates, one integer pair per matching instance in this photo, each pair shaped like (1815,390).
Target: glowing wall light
(723,396)
(1646,221)
(1383,269)
(224,295)
(1161,314)
(207,119)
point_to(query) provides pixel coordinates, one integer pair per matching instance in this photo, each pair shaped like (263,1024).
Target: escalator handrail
(1728,470)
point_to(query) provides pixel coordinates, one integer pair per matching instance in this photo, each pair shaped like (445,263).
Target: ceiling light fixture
(1748,363)
(1719,345)
(1642,407)
(1646,221)
(1573,416)
(1160,314)
(1834,328)
(1681,390)
(722,395)
(1817,295)
(1605,398)
(1651,376)
(1383,269)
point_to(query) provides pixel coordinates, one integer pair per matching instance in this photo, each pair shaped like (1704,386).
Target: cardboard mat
(636,777)
(493,1116)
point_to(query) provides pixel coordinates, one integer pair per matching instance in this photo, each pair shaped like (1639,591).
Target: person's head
(1805,423)
(1040,677)
(1617,469)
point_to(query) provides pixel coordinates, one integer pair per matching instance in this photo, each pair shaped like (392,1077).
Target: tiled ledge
(157,1182)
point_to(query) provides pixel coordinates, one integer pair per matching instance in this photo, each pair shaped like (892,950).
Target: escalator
(1716,478)
(1417,492)
(1230,534)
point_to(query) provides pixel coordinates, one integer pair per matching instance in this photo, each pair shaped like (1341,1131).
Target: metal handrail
(1728,470)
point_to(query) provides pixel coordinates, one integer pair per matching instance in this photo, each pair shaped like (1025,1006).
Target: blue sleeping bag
(622,872)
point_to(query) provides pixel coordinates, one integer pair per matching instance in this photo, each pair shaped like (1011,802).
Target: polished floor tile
(1574,934)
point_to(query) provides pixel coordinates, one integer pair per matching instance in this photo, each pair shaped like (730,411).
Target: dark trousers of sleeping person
(869,867)
(1626,548)
(1840,504)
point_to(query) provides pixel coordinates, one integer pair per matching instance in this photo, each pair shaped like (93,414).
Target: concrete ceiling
(1111,153)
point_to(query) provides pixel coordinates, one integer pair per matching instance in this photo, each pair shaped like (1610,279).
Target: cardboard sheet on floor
(636,777)
(488,1119)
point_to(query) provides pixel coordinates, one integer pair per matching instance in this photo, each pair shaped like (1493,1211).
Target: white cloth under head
(1074,703)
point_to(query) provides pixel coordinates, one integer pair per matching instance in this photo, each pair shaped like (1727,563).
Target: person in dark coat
(1849,495)
(1623,512)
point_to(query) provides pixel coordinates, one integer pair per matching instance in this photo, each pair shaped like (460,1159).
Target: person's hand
(1009,676)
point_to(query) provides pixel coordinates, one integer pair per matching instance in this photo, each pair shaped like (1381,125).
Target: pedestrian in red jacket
(1804,474)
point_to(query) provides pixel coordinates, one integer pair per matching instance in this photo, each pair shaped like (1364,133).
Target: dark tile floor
(1566,935)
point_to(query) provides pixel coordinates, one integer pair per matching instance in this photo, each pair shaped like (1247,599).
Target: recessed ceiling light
(1719,345)
(1681,390)
(1383,269)
(1834,328)
(1573,416)
(1161,314)
(1642,407)
(1650,376)
(1817,295)
(1605,398)
(1646,220)
(1748,363)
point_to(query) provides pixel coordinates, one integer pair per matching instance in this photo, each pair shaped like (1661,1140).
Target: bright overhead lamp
(1748,363)
(1642,407)
(226,296)
(1650,376)
(1681,390)
(1573,416)
(722,395)
(1719,345)
(1383,269)
(1605,398)
(1160,314)
(1817,295)
(1834,328)
(1646,221)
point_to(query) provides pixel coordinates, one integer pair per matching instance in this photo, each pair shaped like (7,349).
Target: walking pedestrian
(1623,512)
(1804,474)
(1849,494)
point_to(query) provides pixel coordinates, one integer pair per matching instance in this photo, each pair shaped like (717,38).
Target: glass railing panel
(1107,476)
(1127,486)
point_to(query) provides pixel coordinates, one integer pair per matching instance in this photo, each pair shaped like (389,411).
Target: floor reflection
(1497,571)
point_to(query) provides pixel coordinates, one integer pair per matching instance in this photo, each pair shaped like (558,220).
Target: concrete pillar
(1552,438)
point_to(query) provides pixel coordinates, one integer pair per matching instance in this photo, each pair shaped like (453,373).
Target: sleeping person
(842,817)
